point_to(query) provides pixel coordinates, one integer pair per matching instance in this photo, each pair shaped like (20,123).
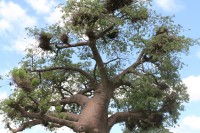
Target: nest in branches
(162,30)
(44,41)
(170,103)
(160,41)
(23,83)
(64,38)
(113,34)
(163,38)
(152,120)
(131,125)
(22,79)
(112,5)
(156,119)
(83,18)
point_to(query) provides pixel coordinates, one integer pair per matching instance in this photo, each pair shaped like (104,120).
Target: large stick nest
(112,5)
(64,38)
(44,41)
(162,30)
(113,34)
(84,18)
(23,83)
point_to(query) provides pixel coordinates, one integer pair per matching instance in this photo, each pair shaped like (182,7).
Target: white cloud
(193,84)
(189,124)
(3,95)
(192,122)
(20,44)
(2,125)
(170,5)
(54,16)
(4,24)
(13,21)
(3,130)
(42,6)
(14,16)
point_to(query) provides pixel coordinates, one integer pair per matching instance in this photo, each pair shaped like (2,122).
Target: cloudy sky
(15,15)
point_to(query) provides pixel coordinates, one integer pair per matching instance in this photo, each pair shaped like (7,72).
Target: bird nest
(84,18)
(44,41)
(112,5)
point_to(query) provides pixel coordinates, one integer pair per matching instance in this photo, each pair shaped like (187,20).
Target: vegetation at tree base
(110,62)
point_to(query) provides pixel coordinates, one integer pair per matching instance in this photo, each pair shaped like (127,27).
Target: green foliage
(7,107)
(43,106)
(35,82)
(153,86)
(24,80)
(58,108)
(20,73)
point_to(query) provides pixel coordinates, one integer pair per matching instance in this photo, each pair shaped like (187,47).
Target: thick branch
(25,125)
(74,125)
(154,119)
(67,68)
(96,54)
(77,98)
(123,117)
(65,115)
(73,45)
(99,61)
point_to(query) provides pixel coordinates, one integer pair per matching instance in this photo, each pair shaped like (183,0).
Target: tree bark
(94,115)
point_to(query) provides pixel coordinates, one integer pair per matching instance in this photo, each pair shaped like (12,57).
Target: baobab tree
(111,61)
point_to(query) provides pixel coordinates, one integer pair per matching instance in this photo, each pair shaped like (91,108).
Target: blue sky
(15,15)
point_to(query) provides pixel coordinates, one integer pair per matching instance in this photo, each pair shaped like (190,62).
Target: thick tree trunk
(95,113)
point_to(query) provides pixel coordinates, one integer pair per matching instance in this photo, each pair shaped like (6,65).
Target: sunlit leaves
(142,44)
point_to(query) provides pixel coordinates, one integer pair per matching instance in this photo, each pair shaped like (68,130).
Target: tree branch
(77,98)
(112,60)
(130,68)
(101,34)
(96,55)
(153,119)
(24,125)
(123,116)
(123,83)
(99,62)
(76,126)
(67,68)
(73,45)
(65,115)
(85,90)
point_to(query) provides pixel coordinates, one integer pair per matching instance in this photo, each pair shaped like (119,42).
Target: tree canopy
(106,62)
